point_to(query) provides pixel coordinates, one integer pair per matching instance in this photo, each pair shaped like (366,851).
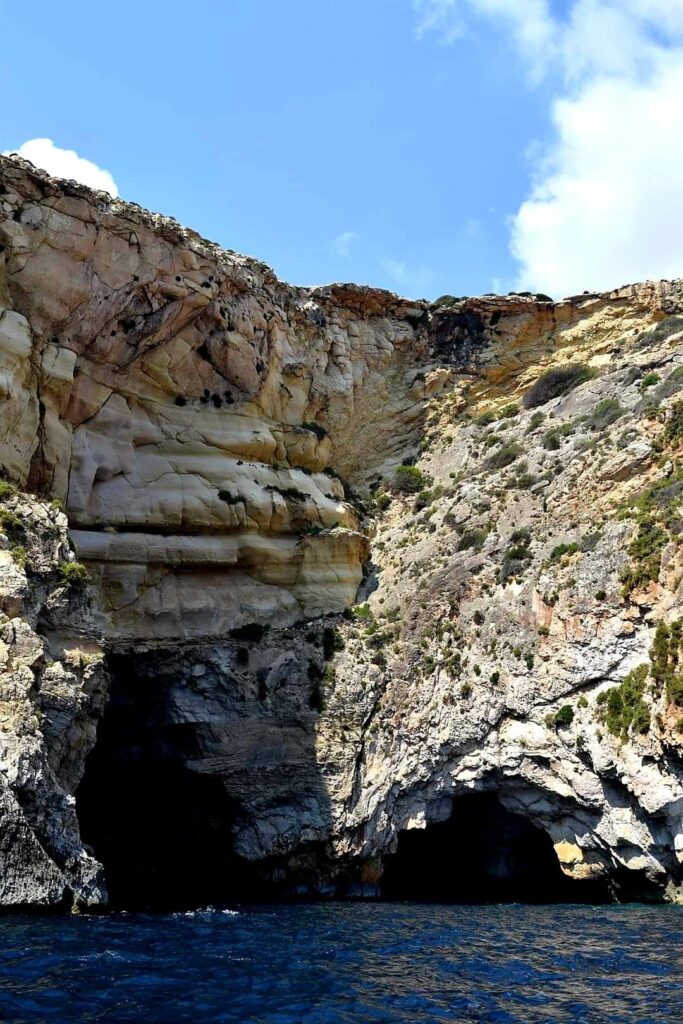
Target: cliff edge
(322,591)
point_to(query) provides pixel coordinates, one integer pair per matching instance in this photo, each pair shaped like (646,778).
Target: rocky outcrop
(314,650)
(186,405)
(53,688)
(513,639)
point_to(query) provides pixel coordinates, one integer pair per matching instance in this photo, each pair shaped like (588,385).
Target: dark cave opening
(162,830)
(482,853)
(162,834)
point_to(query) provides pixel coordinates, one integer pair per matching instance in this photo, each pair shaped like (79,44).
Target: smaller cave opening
(482,853)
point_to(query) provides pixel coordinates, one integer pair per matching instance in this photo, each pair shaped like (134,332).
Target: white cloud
(608,209)
(439,16)
(531,27)
(606,202)
(66,163)
(341,245)
(415,281)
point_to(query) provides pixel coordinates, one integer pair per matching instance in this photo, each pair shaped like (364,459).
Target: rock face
(53,688)
(228,450)
(178,399)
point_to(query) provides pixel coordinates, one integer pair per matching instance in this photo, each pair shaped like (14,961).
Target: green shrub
(552,439)
(600,595)
(648,541)
(605,413)
(422,501)
(473,540)
(505,456)
(454,664)
(74,576)
(524,481)
(466,690)
(12,526)
(479,617)
(19,556)
(657,513)
(383,501)
(672,384)
(639,574)
(649,380)
(521,536)
(486,418)
(508,411)
(7,490)
(560,550)
(377,639)
(517,555)
(564,717)
(622,707)
(625,439)
(673,430)
(314,671)
(664,329)
(362,612)
(535,421)
(557,382)
(666,659)
(409,480)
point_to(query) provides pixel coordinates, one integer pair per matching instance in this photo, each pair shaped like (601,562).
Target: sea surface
(350,963)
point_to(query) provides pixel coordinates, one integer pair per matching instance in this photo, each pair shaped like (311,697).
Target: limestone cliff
(488,489)
(53,687)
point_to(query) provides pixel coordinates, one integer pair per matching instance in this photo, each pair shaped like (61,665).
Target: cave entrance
(483,853)
(163,831)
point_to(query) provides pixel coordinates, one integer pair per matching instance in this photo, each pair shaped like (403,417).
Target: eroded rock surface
(185,405)
(535,573)
(228,450)
(53,688)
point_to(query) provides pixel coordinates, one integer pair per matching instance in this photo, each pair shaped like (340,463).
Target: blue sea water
(348,964)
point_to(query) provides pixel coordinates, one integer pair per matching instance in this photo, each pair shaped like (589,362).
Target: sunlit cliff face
(353,561)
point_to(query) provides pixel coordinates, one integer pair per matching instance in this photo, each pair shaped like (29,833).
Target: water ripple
(347,964)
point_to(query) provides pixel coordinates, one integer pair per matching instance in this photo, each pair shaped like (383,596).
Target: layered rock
(226,447)
(167,390)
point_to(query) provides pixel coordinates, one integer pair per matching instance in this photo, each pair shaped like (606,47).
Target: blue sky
(399,143)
